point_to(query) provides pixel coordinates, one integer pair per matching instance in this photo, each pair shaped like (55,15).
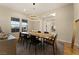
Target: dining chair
(39,31)
(52,42)
(26,39)
(35,42)
(46,32)
(21,38)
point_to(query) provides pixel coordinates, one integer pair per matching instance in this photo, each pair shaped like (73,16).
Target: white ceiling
(33,10)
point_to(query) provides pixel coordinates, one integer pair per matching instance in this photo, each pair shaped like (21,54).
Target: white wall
(64,22)
(76,11)
(5,18)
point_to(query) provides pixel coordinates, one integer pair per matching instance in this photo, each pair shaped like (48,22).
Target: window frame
(16,27)
(24,21)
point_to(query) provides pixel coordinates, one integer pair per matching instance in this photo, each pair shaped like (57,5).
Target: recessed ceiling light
(53,14)
(24,10)
(33,3)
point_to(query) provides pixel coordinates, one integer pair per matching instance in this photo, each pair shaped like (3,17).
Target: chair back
(39,31)
(46,32)
(55,37)
(20,34)
(0,30)
(33,37)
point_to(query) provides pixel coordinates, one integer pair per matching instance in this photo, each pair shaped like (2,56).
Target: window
(15,24)
(24,25)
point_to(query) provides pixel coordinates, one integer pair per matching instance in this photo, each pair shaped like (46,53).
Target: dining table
(42,35)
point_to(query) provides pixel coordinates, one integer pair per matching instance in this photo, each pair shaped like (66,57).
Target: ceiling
(33,10)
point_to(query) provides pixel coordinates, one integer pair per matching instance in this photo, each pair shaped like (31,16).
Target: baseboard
(63,40)
(67,42)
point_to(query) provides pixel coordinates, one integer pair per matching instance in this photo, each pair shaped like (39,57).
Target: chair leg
(19,40)
(23,41)
(53,49)
(26,43)
(35,50)
(55,46)
(29,47)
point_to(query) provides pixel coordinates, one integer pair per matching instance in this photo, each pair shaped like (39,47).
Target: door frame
(74,33)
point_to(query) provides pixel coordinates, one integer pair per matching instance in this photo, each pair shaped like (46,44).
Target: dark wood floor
(47,50)
(11,47)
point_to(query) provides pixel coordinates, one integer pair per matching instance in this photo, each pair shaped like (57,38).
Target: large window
(15,24)
(24,25)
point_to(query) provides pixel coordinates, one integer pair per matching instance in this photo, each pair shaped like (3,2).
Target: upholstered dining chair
(35,42)
(52,42)
(39,31)
(23,38)
(20,37)
(46,32)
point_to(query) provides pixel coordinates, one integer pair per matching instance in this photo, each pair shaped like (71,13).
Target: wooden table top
(42,35)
